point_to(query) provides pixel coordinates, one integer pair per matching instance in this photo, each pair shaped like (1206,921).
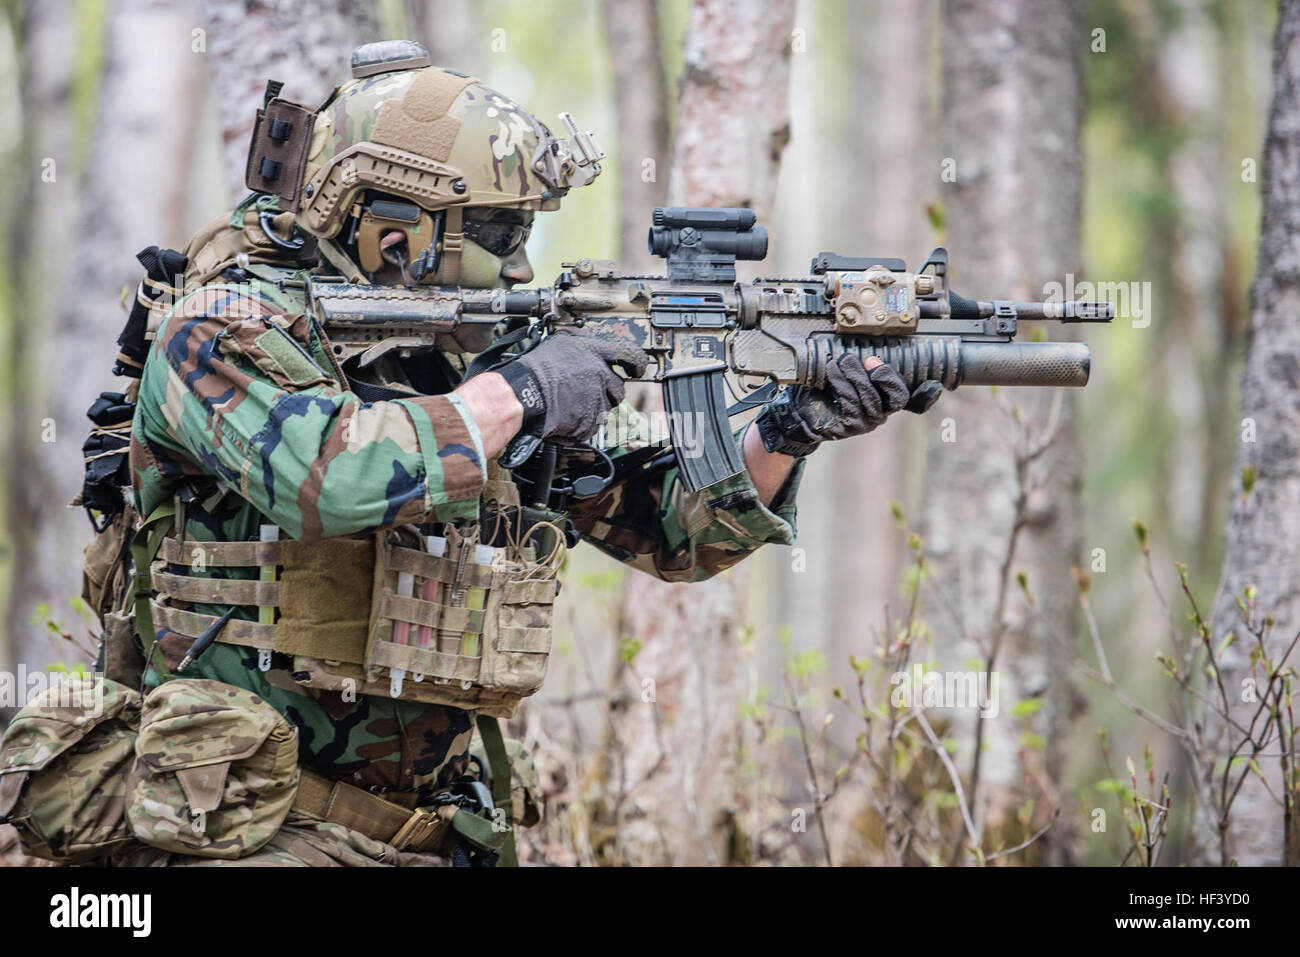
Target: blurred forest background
(748,719)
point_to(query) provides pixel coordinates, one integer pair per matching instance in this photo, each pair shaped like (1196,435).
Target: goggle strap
(453,241)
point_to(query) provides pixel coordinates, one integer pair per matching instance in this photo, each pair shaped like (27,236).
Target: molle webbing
(338,604)
(277,155)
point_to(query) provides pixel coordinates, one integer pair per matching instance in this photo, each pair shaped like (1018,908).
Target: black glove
(567,384)
(854,402)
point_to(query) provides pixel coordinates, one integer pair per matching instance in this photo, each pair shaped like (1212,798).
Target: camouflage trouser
(302,841)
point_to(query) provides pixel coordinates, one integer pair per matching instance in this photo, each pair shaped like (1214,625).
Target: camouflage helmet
(435,138)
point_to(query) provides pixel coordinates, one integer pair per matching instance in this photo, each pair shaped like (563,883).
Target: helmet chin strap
(453,241)
(340,260)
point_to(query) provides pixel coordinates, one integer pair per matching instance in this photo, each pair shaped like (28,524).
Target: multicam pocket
(464,624)
(63,767)
(102,571)
(216,770)
(467,624)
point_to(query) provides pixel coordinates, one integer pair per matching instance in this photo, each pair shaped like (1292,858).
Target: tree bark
(308,45)
(134,196)
(1263,541)
(641,92)
(733,124)
(43,214)
(1012,109)
(450,31)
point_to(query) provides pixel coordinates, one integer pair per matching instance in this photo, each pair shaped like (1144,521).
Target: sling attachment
(494,355)
(489,730)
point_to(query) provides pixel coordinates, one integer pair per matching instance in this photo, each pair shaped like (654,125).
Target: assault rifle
(698,322)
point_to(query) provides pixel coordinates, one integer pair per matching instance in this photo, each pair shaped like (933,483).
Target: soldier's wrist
(523,382)
(494,408)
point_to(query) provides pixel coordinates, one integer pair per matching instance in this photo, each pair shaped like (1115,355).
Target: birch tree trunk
(134,196)
(641,92)
(732,126)
(306,44)
(43,213)
(1012,108)
(1263,543)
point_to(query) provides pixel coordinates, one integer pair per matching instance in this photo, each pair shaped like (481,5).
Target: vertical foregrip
(700,431)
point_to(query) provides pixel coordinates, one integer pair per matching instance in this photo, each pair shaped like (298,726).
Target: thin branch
(952,774)
(1020,847)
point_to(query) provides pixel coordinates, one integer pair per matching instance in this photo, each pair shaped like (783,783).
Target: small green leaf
(1112,786)
(631,648)
(1025,813)
(808,662)
(1026,707)
(935,214)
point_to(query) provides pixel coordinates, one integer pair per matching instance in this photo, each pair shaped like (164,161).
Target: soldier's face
(494,255)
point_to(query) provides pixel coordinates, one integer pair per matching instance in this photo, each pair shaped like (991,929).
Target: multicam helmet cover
(403,130)
(439,139)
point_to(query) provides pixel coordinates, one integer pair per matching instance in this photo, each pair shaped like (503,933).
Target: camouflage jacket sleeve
(239,390)
(652,523)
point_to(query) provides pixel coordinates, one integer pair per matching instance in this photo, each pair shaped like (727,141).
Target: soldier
(253,448)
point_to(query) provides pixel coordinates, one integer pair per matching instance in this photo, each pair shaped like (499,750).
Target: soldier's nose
(521,271)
